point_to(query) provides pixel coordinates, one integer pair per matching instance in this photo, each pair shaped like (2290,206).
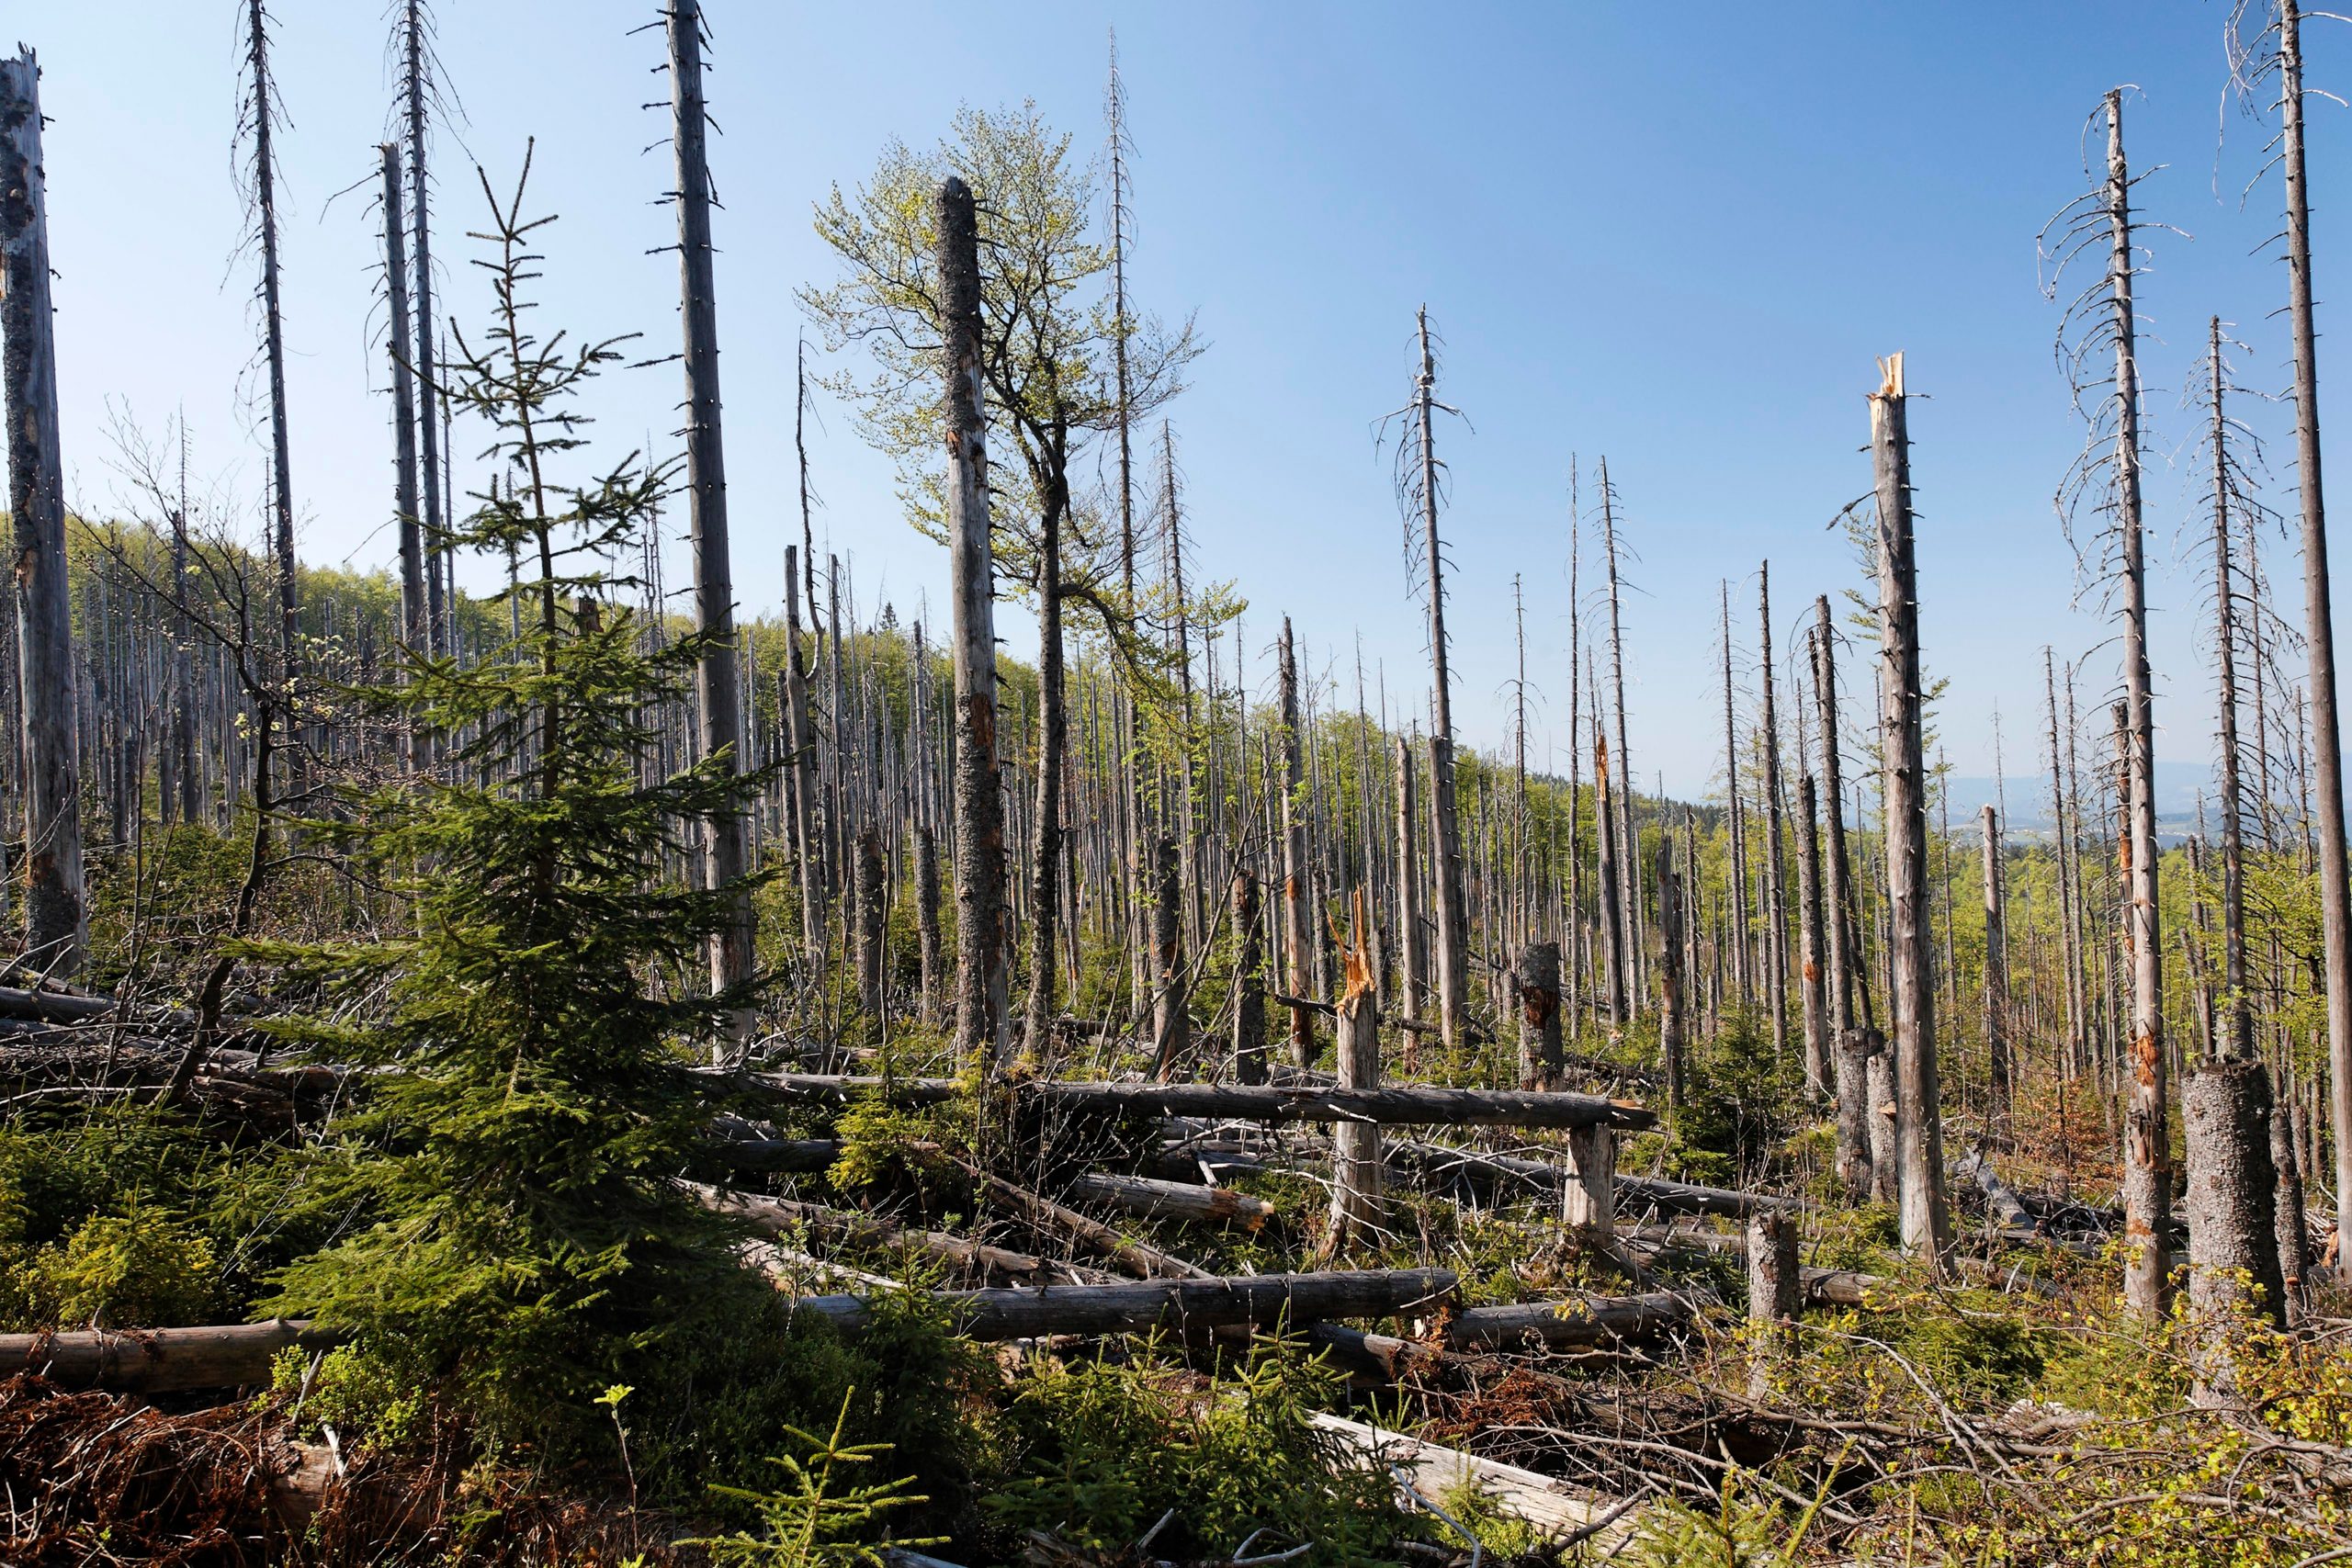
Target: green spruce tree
(516,1235)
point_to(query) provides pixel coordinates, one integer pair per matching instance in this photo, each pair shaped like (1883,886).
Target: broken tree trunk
(870,994)
(1775,1295)
(1172,1025)
(1538,979)
(1576,1323)
(1175,1305)
(1919,1127)
(160,1361)
(1249,982)
(1356,1211)
(56,912)
(2233,1242)
(1157,1199)
(1298,933)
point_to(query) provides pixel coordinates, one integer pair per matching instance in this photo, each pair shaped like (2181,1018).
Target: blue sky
(1675,236)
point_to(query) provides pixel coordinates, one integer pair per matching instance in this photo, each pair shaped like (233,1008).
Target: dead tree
(415,627)
(1817,1070)
(869,932)
(982,944)
(1538,982)
(2319,623)
(2233,1270)
(1297,928)
(718,714)
(1997,975)
(2229,496)
(1249,982)
(1918,1128)
(1672,1022)
(1419,476)
(56,909)
(259,120)
(1410,961)
(1775,1295)
(1172,1025)
(1612,938)
(1356,1165)
(1629,925)
(801,738)
(1776,914)
(2101,222)
(1735,903)
(927,920)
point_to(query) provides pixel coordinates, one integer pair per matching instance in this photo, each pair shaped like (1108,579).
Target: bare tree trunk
(1734,822)
(2319,623)
(2147,1172)
(1540,1065)
(1048,841)
(433,519)
(1879,1096)
(800,736)
(1997,972)
(2232,1239)
(1249,982)
(273,332)
(927,918)
(1775,1295)
(1445,833)
(2235,1025)
(869,932)
(56,911)
(981,950)
(1612,911)
(1356,1165)
(1171,1024)
(1855,1152)
(1837,877)
(1629,925)
(1671,1022)
(1298,931)
(1927,1228)
(1809,954)
(415,627)
(1776,947)
(717,710)
(1411,963)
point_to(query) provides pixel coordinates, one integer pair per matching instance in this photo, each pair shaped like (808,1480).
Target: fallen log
(1998,1195)
(159,1361)
(1135,1257)
(1264,1300)
(1171,1199)
(780,1216)
(1436,1472)
(1399,1104)
(1576,1322)
(798,1157)
(1440,1160)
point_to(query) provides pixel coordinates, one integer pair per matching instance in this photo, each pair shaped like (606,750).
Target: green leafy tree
(515,1230)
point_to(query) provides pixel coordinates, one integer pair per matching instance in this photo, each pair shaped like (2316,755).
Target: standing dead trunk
(1612,939)
(1356,1165)
(1410,962)
(1854,1115)
(261,112)
(1879,1096)
(1776,914)
(1775,1295)
(56,912)
(1538,980)
(1298,936)
(801,738)
(869,933)
(2319,622)
(2233,1272)
(2287,1211)
(415,625)
(1172,1025)
(1445,832)
(1809,954)
(1629,925)
(927,921)
(718,712)
(415,81)
(1048,838)
(1249,982)
(2147,1162)
(1927,1228)
(1671,1020)
(982,941)
(1837,892)
(1996,972)
(1588,1196)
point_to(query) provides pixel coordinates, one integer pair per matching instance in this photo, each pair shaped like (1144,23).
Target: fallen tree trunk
(1263,1300)
(1437,1472)
(779,1217)
(1578,1321)
(1171,1199)
(1399,1104)
(1133,1256)
(158,1360)
(1491,1170)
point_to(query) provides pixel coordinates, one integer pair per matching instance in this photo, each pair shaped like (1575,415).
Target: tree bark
(927,921)
(1996,973)
(870,992)
(981,981)
(1171,1024)
(1817,1071)
(1356,1210)
(1249,982)
(2233,1274)
(1927,1228)
(416,624)
(1298,935)
(717,710)
(1538,981)
(1775,1295)
(1445,833)
(56,909)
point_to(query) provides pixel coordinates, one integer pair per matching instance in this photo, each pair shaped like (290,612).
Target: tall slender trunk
(800,737)
(1672,1022)
(1052,731)
(1298,931)
(2319,622)
(1776,914)
(432,520)
(1734,905)
(1410,960)
(273,330)
(1613,912)
(1249,982)
(717,710)
(2070,893)
(415,627)
(2234,1031)
(1918,1124)
(1817,1070)
(2147,1176)
(982,1031)
(56,911)
(1996,966)
(1445,832)
(1629,924)
(1837,892)
(1171,1024)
